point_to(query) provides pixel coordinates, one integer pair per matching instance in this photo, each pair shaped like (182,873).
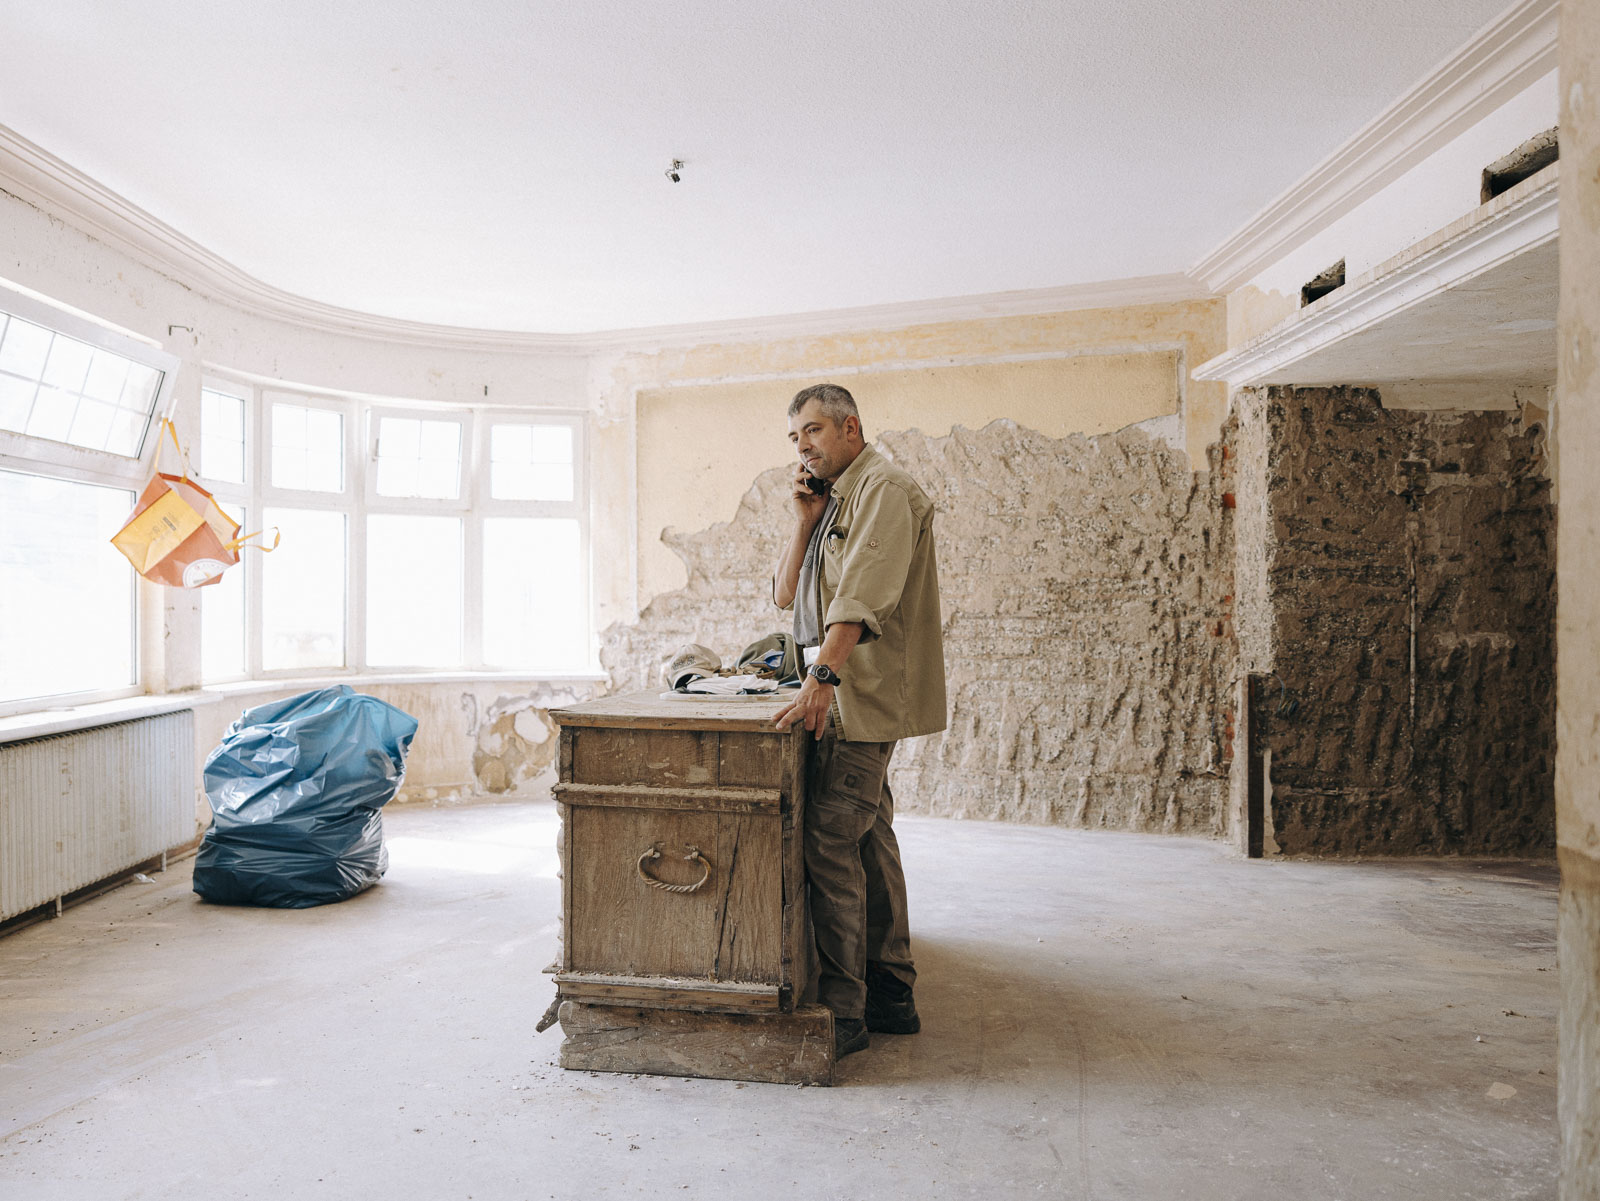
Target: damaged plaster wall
(1396,579)
(1058,395)
(1085,593)
(1123,348)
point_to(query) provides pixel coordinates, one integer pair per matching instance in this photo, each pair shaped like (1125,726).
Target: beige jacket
(878,568)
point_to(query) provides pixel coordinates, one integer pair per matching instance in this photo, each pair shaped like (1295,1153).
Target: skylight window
(62,389)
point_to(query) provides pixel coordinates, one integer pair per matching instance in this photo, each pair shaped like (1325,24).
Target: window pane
(52,414)
(221,436)
(307,448)
(25,348)
(139,392)
(533,576)
(127,433)
(66,594)
(56,387)
(413,591)
(107,374)
(419,458)
(530,462)
(222,617)
(16,402)
(302,591)
(68,365)
(91,424)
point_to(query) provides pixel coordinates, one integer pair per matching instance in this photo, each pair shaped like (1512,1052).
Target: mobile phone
(819,486)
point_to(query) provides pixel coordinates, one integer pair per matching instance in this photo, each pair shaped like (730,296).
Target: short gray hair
(837,403)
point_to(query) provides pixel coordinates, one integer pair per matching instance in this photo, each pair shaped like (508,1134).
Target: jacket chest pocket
(833,556)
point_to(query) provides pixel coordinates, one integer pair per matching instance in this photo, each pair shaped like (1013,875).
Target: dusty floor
(1105,1016)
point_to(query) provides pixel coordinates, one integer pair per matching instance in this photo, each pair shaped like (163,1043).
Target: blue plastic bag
(295,789)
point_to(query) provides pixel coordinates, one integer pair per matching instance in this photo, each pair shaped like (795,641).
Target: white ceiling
(499,163)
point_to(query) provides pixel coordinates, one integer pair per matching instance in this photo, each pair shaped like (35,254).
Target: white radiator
(79,807)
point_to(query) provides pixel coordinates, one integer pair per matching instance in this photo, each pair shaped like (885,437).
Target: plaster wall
(1084,372)
(1395,577)
(1577,418)
(1084,585)
(1436,191)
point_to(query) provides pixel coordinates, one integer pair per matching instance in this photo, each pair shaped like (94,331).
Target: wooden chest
(684,924)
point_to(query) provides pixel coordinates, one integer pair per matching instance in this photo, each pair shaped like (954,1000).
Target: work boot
(890,1007)
(849,1036)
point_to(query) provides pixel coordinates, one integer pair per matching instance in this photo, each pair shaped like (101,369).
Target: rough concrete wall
(1578,640)
(1409,575)
(1084,585)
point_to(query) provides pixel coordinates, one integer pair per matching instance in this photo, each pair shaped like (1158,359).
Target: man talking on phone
(860,572)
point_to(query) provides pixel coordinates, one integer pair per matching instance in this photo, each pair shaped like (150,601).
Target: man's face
(825,448)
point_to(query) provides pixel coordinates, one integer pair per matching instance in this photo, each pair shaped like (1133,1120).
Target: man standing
(859,570)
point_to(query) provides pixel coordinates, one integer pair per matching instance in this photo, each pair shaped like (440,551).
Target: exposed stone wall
(1407,561)
(1085,594)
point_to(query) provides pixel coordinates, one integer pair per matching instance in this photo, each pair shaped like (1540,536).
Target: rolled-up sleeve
(877,556)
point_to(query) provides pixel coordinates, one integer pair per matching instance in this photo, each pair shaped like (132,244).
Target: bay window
(78,402)
(413,539)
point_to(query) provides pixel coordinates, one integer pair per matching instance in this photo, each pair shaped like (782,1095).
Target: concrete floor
(1105,1016)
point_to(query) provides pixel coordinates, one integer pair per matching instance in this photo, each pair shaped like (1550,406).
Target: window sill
(45,722)
(212,693)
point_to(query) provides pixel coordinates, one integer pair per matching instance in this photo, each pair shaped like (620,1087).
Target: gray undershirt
(808,589)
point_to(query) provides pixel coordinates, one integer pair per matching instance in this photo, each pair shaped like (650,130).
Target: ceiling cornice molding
(1176,288)
(1504,57)
(40,178)
(1519,221)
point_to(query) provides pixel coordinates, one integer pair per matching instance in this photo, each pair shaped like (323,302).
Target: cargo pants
(858,888)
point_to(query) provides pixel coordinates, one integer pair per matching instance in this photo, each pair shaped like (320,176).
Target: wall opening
(1322,283)
(1528,159)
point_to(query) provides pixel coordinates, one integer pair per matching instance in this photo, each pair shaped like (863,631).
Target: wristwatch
(823,674)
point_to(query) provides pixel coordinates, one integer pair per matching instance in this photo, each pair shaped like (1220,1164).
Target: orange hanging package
(178,534)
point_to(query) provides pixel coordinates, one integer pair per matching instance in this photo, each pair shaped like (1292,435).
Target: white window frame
(29,455)
(485,505)
(237,498)
(346,501)
(460,507)
(462,503)
(43,456)
(360,499)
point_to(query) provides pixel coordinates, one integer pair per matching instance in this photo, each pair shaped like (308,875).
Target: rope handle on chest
(653,853)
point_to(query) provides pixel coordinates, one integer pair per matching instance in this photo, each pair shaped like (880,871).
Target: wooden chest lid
(652,711)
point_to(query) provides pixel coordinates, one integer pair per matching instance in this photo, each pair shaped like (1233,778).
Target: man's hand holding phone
(809,494)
